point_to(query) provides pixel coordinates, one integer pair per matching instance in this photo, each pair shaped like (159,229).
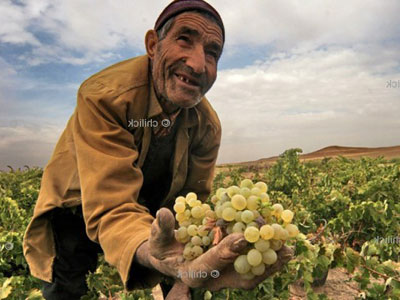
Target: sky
(294,74)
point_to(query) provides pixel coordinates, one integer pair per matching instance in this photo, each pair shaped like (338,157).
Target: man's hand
(163,253)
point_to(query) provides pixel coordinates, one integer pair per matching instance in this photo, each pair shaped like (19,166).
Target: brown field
(331,151)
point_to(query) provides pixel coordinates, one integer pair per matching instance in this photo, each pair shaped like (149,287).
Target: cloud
(309,100)
(76,32)
(309,24)
(85,31)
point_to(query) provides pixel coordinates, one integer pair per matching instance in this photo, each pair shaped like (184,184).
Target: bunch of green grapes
(192,216)
(245,209)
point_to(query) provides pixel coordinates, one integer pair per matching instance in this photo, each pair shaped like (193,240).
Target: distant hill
(331,151)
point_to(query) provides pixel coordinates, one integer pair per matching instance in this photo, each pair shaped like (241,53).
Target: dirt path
(337,286)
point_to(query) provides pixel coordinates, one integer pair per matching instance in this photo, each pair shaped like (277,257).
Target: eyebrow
(190,31)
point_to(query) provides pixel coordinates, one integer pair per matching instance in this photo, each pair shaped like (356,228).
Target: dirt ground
(337,286)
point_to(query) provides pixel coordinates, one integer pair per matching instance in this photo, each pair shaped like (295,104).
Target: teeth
(184,79)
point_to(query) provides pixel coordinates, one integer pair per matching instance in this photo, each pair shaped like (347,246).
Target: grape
(219,192)
(254,257)
(292,230)
(246,183)
(225,198)
(267,232)
(197,212)
(206,240)
(239,202)
(264,198)
(252,234)
(262,245)
(258,270)
(245,192)
(218,211)
(266,212)
(187,253)
(252,202)
(214,199)
(227,204)
(202,231)
(262,186)
(284,234)
(247,216)
(233,190)
(238,216)
(245,210)
(192,230)
(190,196)
(210,214)
(205,207)
(256,214)
(180,199)
(187,214)
(241,264)
(287,216)
(255,191)
(269,257)
(277,231)
(247,276)
(276,244)
(239,227)
(192,202)
(196,240)
(179,207)
(252,224)
(180,217)
(197,250)
(182,233)
(228,214)
(278,208)
(185,223)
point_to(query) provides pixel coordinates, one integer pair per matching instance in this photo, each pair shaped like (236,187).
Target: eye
(183,38)
(213,54)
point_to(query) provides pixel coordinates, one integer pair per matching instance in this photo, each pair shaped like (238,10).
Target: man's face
(184,66)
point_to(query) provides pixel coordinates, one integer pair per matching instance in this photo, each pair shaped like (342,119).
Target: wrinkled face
(184,64)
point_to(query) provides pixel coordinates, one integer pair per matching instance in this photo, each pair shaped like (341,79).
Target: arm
(110,181)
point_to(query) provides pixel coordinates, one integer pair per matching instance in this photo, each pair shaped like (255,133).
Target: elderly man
(142,133)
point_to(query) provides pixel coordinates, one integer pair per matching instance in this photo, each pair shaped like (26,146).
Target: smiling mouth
(187,80)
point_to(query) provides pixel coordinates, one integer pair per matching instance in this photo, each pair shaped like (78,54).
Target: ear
(151,41)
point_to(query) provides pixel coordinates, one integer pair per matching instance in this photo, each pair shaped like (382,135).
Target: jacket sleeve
(202,159)
(110,182)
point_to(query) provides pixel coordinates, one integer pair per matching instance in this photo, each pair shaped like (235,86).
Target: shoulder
(118,78)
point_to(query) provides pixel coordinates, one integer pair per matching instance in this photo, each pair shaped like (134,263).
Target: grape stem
(320,231)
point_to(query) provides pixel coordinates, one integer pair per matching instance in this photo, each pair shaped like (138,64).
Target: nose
(197,60)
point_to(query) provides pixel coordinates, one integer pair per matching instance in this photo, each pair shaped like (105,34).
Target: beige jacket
(97,163)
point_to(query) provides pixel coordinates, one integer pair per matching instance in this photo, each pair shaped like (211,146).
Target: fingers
(231,279)
(179,291)
(285,254)
(218,257)
(162,232)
